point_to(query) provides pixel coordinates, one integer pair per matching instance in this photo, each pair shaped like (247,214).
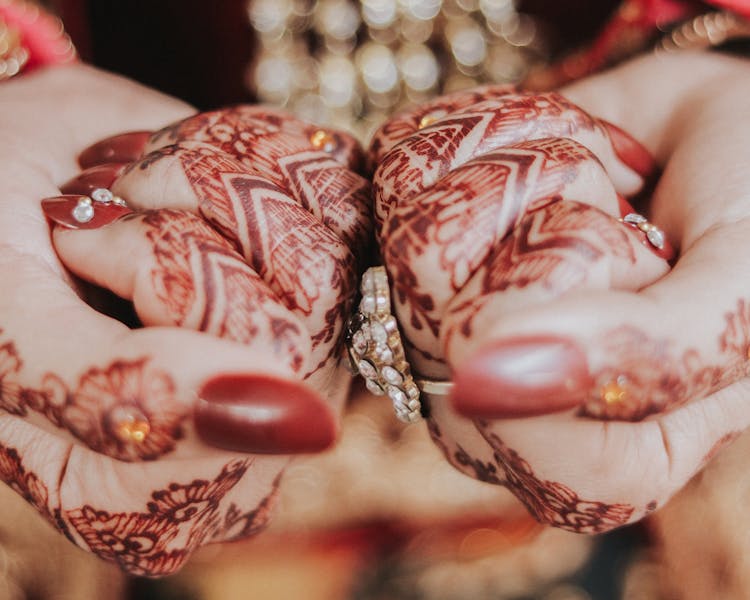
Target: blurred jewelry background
(351,64)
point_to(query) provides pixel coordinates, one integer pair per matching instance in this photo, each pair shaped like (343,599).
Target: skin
(566,274)
(219,309)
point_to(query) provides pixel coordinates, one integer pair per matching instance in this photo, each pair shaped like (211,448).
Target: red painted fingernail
(630,151)
(80,212)
(521,377)
(87,181)
(123,148)
(625,207)
(262,415)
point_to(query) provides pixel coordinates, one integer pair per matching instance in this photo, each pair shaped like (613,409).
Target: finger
(178,271)
(260,136)
(147,518)
(434,243)
(121,148)
(414,165)
(309,268)
(138,395)
(402,125)
(615,354)
(317,167)
(586,476)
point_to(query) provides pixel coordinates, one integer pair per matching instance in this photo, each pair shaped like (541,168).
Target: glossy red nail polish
(262,415)
(520,377)
(87,181)
(80,212)
(122,148)
(630,151)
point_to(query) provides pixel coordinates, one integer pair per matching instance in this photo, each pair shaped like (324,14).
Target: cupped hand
(596,379)
(237,249)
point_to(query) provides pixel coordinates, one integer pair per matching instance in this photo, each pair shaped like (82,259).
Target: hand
(597,380)
(123,437)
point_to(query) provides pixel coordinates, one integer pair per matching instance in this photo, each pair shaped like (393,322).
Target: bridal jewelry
(377,353)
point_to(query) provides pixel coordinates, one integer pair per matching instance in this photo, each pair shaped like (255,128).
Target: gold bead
(646,226)
(129,425)
(614,392)
(322,140)
(426,121)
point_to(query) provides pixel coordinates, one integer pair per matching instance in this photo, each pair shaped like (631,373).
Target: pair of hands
(66,369)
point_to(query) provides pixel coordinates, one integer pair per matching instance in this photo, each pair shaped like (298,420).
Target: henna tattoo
(651,379)
(549,502)
(239,524)
(406,124)
(231,302)
(25,483)
(554,247)
(89,410)
(177,520)
(307,266)
(438,240)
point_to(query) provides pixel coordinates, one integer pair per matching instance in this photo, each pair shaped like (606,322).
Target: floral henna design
(25,483)
(92,409)
(177,520)
(549,502)
(648,378)
(282,150)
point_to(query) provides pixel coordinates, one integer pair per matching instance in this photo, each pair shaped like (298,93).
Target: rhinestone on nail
(654,235)
(83,212)
(102,195)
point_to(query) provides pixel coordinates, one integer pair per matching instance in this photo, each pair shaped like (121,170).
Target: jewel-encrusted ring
(377,353)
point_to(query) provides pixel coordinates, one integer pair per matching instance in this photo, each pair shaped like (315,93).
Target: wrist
(30,38)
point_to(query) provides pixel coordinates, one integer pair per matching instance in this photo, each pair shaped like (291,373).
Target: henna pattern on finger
(92,408)
(25,483)
(553,248)
(551,503)
(649,378)
(438,240)
(155,542)
(203,283)
(177,520)
(283,150)
(309,269)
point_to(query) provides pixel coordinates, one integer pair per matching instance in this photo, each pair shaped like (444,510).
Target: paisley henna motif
(90,409)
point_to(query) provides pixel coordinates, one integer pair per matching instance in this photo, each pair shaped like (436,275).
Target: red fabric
(41,33)
(741,7)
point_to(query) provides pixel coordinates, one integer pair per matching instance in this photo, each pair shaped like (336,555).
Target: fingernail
(522,377)
(79,212)
(630,151)
(625,207)
(87,181)
(124,148)
(262,415)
